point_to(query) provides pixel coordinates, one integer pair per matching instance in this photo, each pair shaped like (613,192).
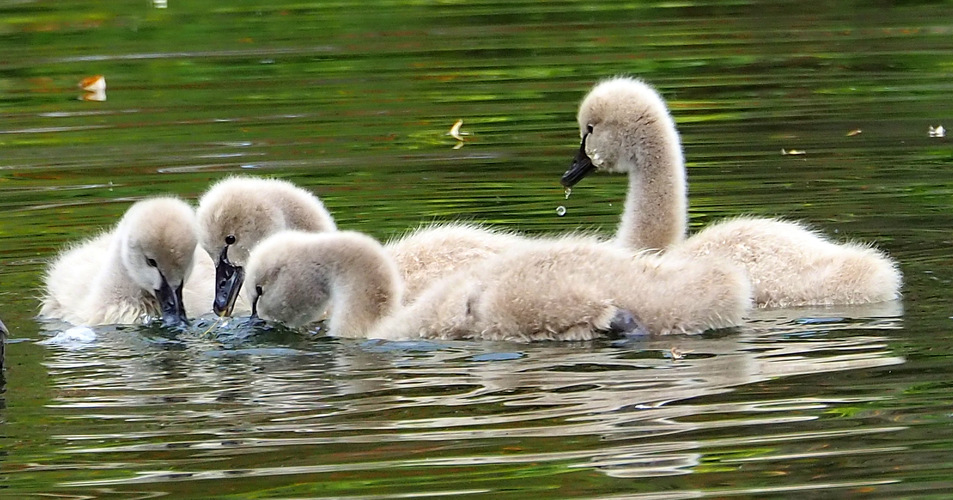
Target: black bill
(171,305)
(581,166)
(228,282)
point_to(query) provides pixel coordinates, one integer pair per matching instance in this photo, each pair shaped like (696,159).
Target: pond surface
(355,104)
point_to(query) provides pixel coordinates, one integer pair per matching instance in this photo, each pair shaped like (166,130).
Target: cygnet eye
(258,290)
(151,262)
(230,239)
(589,129)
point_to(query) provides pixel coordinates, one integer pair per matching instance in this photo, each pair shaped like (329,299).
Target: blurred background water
(354,102)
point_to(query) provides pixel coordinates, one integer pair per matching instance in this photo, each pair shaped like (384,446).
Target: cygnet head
(623,123)
(295,276)
(157,240)
(237,213)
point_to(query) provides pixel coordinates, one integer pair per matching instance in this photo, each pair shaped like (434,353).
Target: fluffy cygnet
(431,253)
(238,212)
(294,276)
(563,289)
(626,127)
(574,289)
(133,273)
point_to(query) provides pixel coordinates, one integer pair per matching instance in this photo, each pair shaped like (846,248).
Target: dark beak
(255,320)
(171,305)
(228,282)
(581,166)
(625,324)
(254,308)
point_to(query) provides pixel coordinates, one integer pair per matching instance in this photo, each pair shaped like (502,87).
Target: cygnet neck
(365,287)
(656,204)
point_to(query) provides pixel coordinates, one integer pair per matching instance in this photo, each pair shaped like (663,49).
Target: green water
(354,103)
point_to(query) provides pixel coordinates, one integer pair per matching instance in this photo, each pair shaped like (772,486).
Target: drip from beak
(228,282)
(581,166)
(171,305)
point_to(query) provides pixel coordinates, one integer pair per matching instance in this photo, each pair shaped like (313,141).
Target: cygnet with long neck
(626,128)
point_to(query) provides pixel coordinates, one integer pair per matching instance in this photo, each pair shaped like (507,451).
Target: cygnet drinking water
(626,128)
(238,212)
(133,273)
(562,289)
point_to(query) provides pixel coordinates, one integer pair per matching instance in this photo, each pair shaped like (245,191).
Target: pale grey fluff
(628,129)
(108,279)
(554,289)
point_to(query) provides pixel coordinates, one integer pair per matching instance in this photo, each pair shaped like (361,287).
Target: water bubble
(560,210)
(568,192)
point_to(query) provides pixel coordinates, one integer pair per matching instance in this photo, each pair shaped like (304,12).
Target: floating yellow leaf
(678,353)
(95,87)
(455,130)
(95,83)
(793,152)
(98,96)
(854,132)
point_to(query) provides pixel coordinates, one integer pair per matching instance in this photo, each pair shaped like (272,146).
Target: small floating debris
(455,130)
(937,131)
(677,353)
(98,96)
(94,88)
(793,152)
(93,83)
(568,192)
(854,132)
(560,211)
(456,134)
(160,4)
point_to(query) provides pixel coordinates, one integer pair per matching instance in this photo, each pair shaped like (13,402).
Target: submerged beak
(254,308)
(171,305)
(228,282)
(581,166)
(625,324)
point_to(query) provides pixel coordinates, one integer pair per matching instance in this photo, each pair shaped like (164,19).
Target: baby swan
(626,127)
(431,253)
(131,274)
(236,213)
(541,290)
(293,276)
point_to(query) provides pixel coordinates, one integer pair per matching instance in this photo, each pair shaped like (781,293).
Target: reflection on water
(225,405)
(355,105)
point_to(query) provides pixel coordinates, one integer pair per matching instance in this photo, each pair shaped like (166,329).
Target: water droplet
(568,192)
(560,210)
